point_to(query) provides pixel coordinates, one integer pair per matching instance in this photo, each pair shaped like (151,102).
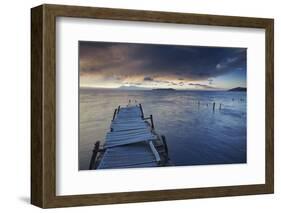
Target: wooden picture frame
(43,105)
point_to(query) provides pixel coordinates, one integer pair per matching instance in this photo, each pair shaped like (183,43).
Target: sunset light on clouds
(113,65)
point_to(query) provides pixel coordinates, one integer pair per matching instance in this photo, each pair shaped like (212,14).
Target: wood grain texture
(269,119)
(43,105)
(36,106)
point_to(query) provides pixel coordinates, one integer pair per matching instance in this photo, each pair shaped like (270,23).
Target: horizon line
(149,88)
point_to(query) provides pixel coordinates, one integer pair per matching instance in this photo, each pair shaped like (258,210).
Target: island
(238,89)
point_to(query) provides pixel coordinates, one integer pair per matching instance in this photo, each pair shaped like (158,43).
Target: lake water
(195,134)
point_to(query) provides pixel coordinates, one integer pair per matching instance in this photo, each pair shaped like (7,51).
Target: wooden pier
(131,142)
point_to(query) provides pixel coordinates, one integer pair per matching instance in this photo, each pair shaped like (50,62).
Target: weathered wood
(130,123)
(111,144)
(129,132)
(152,122)
(142,115)
(130,136)
(128,155)
(130,142)
(114,114)
(119,129)
(37,108)
(165,144)
(127,127)
(154,151)
(127,121)
(94,155)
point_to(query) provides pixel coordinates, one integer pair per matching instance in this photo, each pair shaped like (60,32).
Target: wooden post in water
(220,106)
(94,155)
(114,114)
(142,115)
(165,144)
(214,105)
(118,109)
(152,123)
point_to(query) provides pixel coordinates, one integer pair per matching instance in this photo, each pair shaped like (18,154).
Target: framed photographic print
(136,106)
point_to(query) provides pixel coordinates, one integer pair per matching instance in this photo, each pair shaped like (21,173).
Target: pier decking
(131,142)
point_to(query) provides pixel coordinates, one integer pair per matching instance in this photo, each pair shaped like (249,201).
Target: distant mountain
(132,88)
(238,89)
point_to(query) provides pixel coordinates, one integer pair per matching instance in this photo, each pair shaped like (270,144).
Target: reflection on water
(196,135)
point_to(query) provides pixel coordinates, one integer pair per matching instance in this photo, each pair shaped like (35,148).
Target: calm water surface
(195,134)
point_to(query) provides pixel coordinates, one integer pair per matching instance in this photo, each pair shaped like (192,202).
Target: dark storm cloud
(151,62)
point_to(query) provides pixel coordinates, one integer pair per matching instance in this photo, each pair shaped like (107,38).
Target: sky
(148,66)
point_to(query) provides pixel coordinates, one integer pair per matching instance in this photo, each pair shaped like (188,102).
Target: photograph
(157,105)
(140,105)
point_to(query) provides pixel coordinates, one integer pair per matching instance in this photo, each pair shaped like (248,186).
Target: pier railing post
(152,123)
(142,115)
(94,155)
(214,105)
(165,144)
(114,114)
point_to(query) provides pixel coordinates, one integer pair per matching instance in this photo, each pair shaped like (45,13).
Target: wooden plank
(132,112)
(126,160)
(129,119)
(129,132)
(124,137)
(156,154)
(128,126)
(128,114)
(116,143)
(129,122)
(127,156)
(129,141)
(124,166)
(116,129)
(129,160)
(141,165)
(133,148)
(134,119)
(132,136)
(128,144)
